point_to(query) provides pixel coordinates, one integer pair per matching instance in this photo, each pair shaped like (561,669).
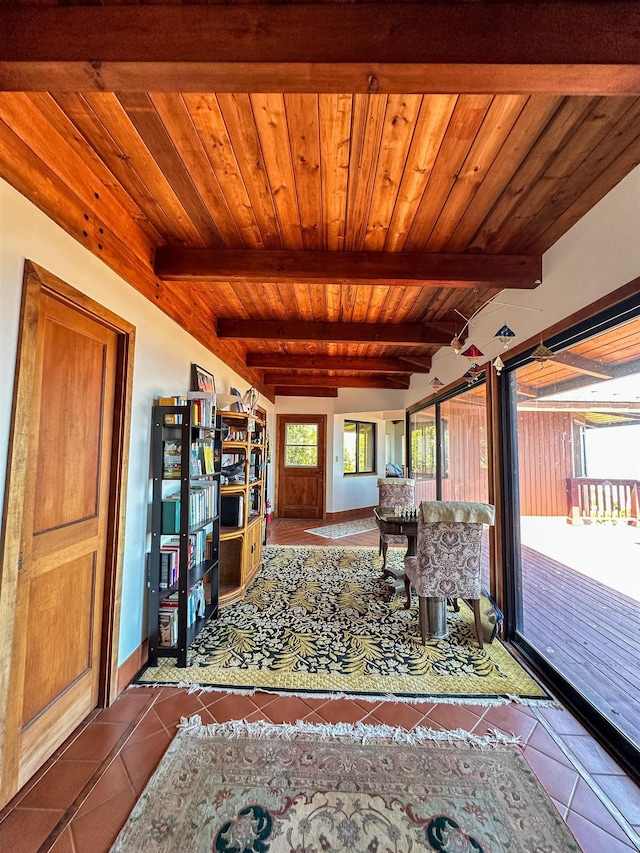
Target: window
(359,447)
(301,446)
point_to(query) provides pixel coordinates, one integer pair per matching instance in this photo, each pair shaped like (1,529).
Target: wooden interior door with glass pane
(301,465)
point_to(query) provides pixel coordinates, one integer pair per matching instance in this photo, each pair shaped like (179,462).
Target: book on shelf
(167,627)
(171,514)
(232,511)
(203,408)
(195,466)
(169,562)
(209,467)
(171,459)
(174,418)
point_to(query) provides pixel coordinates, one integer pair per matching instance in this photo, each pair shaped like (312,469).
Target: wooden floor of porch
(588,632)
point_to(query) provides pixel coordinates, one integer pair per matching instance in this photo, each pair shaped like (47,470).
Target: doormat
(346,528)
(318,620)
(257,787)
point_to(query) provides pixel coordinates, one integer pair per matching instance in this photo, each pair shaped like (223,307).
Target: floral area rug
(346,528)
(251,788)
(319,620)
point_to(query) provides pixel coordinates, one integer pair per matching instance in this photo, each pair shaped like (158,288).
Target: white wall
(163,356)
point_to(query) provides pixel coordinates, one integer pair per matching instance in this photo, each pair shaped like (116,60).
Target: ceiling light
(436,383)
(456,344)
(498,363)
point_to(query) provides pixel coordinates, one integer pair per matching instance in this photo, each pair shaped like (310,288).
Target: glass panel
(301,446)
(464,463)
(366,446)
(578,441)
(422,437)
(349,447)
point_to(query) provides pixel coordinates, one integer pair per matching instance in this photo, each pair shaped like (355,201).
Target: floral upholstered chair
(393,492)
(447,565)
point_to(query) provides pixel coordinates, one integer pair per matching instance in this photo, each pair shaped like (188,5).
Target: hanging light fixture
(542,353)
(472,353)
(498,363)
(475,370)
(504,335)
(436,383)
(456,344)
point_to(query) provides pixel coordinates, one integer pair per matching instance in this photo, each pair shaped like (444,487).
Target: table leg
(396,576)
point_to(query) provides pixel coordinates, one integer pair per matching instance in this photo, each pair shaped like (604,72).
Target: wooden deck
(589,632)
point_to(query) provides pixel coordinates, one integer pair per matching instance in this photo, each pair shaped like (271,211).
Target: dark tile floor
(81,797)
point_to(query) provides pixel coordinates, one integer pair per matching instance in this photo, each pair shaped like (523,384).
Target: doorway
(300,486)
(63,523)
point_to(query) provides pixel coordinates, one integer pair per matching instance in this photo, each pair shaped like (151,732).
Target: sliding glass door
(577,542)
(448,451)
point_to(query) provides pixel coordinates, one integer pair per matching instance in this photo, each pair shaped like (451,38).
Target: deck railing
(592,499)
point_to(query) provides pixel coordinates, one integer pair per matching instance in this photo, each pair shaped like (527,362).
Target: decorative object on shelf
(436,383)
(498,363)
(504,335)
(249,400)
(235,472)
(202,380)
(542,354)
(472,353)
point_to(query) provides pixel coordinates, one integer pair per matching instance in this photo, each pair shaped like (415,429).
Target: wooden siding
(545,460)
(467,476)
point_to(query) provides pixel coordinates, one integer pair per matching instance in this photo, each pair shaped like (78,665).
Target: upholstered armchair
(393,492)
(447,563)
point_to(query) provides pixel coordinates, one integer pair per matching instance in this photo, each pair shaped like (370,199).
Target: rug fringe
(483,701)
(361,732)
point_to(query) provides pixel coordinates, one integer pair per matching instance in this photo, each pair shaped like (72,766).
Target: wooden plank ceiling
(314,241)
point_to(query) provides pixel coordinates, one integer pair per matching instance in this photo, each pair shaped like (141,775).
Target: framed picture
(202,380)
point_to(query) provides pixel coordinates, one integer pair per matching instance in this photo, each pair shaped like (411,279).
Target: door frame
(36,283)
(307,418)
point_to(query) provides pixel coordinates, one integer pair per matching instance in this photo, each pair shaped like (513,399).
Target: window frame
(374,438)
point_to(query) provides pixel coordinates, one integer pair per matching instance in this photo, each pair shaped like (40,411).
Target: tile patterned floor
(81,797)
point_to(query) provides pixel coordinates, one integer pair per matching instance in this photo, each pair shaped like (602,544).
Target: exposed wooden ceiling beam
(418,269)
(584,365)
(399,334)
(304,391)
(423,364)
(395,381)
(329,362)
(513,46)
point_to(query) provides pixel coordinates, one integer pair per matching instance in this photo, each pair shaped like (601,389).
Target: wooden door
(301,466)
(54,676)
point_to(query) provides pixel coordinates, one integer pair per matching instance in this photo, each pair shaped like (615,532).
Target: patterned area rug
(319,620)
(251,788)
(347,528)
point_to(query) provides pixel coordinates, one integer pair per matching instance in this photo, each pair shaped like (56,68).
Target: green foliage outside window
(301,446)
(359,447)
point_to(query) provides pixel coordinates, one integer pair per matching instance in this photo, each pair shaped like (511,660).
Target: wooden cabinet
(242,502)
(183,564)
